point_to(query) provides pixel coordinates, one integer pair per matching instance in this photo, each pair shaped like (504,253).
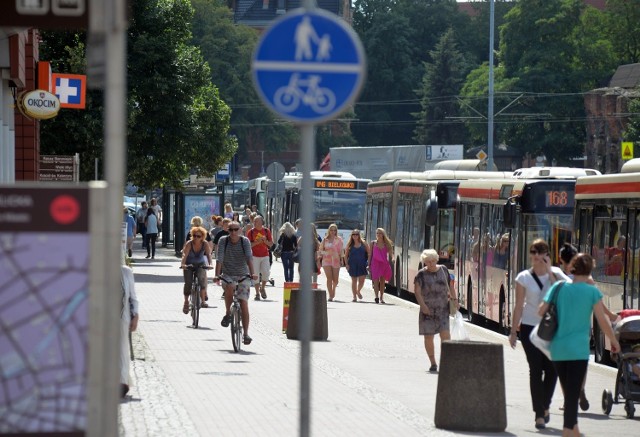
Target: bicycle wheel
(195,304)
(236,328)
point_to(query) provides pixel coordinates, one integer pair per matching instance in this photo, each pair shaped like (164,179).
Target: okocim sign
(38,104)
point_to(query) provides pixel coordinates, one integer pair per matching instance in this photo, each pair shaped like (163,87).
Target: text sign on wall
(44,290)
(46,14)
(58,168)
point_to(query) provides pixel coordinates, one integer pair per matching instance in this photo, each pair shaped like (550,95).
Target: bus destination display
(334,184)
(558,198)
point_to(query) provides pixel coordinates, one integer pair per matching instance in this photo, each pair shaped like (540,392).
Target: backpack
(226,243)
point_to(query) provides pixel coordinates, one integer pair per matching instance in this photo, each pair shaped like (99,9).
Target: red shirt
(260,249)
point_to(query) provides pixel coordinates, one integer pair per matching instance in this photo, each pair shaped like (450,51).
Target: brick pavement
(369,379)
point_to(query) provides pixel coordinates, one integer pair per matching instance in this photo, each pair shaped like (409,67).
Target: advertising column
(45,252)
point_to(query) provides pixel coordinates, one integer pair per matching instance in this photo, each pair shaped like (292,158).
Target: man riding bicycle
(234,260)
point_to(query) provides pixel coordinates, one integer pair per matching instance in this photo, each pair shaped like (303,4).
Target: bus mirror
(509,214)
(432,210)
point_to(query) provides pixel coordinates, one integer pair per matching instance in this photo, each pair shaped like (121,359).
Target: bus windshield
(554,229)
(344,208)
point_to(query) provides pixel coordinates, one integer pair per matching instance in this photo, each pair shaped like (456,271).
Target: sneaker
(129,253)
(257,297)
(263,293)
(225,321)
(433,368)
(246,339)
(584,402)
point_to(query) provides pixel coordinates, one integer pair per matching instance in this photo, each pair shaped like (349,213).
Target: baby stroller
(627,382)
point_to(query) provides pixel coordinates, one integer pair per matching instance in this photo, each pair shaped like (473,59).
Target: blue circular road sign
(309,66)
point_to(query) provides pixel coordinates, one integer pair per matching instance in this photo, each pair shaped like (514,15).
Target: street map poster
(44,310)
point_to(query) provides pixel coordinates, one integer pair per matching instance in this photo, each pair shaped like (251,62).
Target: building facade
(19,135)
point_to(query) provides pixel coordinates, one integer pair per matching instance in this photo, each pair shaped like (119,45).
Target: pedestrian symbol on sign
(308,66)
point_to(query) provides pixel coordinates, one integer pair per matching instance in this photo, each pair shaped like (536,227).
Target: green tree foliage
(474,103)
(382,109)
(397,36)
(473,37)
(443,78)
(228,48)
(177,122)
(624,29)
(539,54)
(632,132)
(72,131)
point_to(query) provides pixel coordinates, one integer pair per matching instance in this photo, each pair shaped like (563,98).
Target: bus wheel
(469,301)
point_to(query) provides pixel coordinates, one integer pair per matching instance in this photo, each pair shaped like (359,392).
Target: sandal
(185,308)
(263,293)
(433,368)
(246,340)
(377,300)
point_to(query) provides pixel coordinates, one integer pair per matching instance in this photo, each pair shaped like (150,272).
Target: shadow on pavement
(156,279)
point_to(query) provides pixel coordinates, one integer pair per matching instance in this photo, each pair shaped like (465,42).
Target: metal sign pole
(103,412)
(308,258)
(288,56)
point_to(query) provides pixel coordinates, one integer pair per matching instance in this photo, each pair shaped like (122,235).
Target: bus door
(631,289)
(402,243)
(483,253)
(468,243)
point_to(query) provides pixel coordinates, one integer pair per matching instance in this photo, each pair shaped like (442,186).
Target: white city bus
(607,225)
(337,197)
(417,209)
(518,210)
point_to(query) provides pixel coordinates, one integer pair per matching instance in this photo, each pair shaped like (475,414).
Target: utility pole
(490,109)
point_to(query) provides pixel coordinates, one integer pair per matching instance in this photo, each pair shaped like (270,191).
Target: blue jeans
(287,263)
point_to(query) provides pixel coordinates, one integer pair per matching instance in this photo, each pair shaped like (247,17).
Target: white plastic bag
(541,344)
(458,330)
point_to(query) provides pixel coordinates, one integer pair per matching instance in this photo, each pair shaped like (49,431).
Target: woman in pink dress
(332,259)
(379,266)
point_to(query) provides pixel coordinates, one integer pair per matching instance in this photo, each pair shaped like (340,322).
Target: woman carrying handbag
(531,286)
(575,303)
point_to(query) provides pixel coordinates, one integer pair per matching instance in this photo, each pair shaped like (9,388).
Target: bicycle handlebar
(196,267)
(244,278)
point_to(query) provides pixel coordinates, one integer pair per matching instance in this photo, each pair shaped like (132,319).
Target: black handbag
(549,324)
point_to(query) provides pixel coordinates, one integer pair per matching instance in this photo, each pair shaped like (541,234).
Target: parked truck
(373,162)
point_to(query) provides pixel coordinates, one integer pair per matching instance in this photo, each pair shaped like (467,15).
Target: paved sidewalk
(368,379)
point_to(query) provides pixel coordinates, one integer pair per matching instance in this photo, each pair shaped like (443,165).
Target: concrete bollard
(320,320)
(471,387)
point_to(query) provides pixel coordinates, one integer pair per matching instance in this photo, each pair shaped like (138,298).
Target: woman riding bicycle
(195,252)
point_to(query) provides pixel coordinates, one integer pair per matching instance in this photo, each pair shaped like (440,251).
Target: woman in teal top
(575,303)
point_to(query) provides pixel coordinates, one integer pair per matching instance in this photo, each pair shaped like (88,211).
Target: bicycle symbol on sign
(287,98)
